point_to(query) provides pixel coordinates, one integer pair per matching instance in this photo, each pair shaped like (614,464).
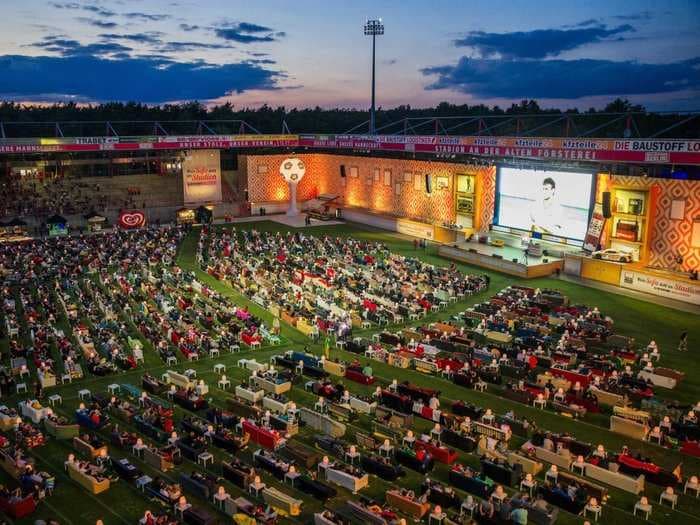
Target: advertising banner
(131,220)
(649,151)
(677,289)
(201,177)
(595,229)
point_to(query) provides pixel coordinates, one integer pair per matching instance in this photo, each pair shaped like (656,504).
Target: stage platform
(506,259)
(297,221)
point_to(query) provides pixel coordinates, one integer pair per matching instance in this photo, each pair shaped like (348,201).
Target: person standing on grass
(683,343)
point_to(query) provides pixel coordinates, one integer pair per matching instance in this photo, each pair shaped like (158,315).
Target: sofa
(191,448)
(562,460)
(502,473)
(18,508)
(178,379)
(87,449)
(198,516)
(629,428)
(542,517)
(407,505)
(333,368)
(458,440)
(237,473)
(315,488)
(252,395)
(87,481)
(263,436)
(59,431)
(471,482)
(35,414)
(322,422)
(156,459)
(608,398)
(410,458)
(528,465)
(633,485)
(381,467)
(300,454)
(441,453)
(284,502)
(201,488)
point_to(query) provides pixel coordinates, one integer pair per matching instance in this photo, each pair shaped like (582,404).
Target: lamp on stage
(292,170)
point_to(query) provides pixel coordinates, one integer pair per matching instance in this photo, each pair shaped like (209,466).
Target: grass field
(71,504)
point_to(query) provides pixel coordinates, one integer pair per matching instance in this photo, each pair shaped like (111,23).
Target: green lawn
(71,504)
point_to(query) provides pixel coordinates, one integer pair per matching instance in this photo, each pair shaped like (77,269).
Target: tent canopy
(56,219)
(93,216)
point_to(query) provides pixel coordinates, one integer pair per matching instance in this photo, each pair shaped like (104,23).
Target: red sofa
(355,374)
(442,454)
(18,509)
(266,438)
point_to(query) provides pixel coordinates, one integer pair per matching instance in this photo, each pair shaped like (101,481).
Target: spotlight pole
(373,28)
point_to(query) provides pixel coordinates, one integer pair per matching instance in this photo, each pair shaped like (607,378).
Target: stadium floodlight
(373,28)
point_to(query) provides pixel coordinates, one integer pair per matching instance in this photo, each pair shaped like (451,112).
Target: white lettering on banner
(96,140)
(533,143)
(661,286)
(656,157)
(479,141)
(670,146)
(582,144)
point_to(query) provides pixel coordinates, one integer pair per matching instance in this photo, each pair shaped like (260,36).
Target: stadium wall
(394,187)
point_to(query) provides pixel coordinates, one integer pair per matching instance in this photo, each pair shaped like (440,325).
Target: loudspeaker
(515,259)
(545,260)
(428,183)
(342,170)
(607,212)
(496,256)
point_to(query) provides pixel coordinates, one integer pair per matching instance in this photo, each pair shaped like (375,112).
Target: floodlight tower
(373,28)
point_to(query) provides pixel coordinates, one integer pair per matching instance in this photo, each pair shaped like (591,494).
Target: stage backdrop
(393,187)
(670,236)
(201,177)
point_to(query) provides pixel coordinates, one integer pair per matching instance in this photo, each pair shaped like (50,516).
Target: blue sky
(312,52)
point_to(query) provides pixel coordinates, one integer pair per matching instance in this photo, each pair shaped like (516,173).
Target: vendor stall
(57,226)
(185,216)
(96,222)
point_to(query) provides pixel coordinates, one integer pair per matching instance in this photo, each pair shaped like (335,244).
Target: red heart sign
(132,219)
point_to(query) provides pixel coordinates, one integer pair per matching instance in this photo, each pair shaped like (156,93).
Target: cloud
(539,43)
(97,22)
(101,11)
(146,17)
(188,27)
(150,37)
(173,47)
(67,47)
(97,79)
(247,27)
(642,15)
(247,33)
(563,79)
(260,61)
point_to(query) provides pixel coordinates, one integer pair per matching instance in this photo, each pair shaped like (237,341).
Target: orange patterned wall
(389,186)
(669,237)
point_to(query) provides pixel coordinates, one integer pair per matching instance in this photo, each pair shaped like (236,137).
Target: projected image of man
(546,214)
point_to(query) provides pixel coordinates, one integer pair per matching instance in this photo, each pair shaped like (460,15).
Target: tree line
(132,118)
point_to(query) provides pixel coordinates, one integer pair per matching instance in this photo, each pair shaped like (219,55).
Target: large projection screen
(554,203)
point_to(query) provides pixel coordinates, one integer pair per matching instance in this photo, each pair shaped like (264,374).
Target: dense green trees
(25,120)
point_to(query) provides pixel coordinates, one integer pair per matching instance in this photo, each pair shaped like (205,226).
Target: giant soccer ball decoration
(293,171)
